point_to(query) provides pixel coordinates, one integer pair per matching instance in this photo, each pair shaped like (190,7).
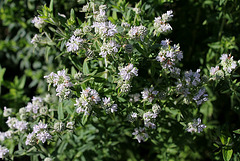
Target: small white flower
(105,29)
(36,39)
(2,136)
(11,122)
(196,126)
(128,72)
(3,152)
(106,101)
(137,10)
(228,63)
(38,22)
(74,44)
(21,125)
(89,97)
(109,48)
(70,125)
(148,94)
(161,25)
(138,32)
(43,136)
(213,70)
(112,109)
(140,134)
(8,134)
(31,139)
(40,126)
(7,111)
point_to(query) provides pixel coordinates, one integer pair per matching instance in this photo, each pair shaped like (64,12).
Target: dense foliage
(107,80)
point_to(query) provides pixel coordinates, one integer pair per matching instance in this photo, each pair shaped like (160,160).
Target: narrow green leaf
(2,71)
(47,53)
(237,131)
(72,16)
(51,5)
(75,64)
(60,112)
(22,82)
(85,67)
(84,119)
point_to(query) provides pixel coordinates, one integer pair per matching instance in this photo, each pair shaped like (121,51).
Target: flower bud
(58,126)
(7,111)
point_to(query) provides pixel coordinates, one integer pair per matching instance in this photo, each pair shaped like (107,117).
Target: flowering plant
(122,69)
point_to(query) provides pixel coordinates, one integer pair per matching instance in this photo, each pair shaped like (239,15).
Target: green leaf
(51,6)
(2,71)
(60,112)
(114,15)
(84,119)
(72,16)
(237,131)
(62,147)
(22,82)
(73,60)
(85,67)
(227,154)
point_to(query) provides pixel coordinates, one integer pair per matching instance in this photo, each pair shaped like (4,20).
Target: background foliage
(205,29)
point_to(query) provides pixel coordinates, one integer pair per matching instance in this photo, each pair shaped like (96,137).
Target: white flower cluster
(105,29)
(125,87)
(109,49)
(78,32)
(35,108)
(148,94)
(14,123)
(8,134)
(128,72)
(74,44)
(169,55)
(40,132)
(3,152)
(101,26)
(188,86)
(196,126)
(38,22)
(109,105)
(149,118)
(62,81)
(227,63)
(89,97)
(140,134)
(101,14)
(137,32)
(161,25)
